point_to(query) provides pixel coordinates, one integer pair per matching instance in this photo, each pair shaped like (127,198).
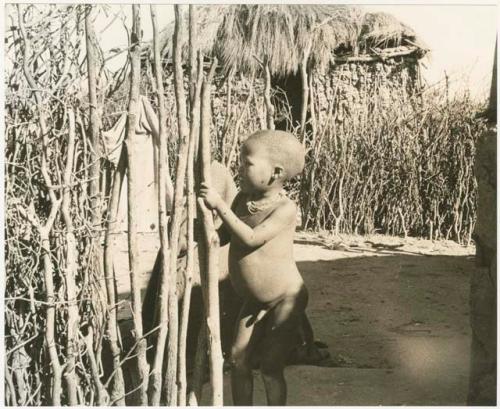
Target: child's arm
(280,218)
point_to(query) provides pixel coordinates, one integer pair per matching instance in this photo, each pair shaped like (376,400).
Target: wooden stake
(134,208)
(173,319)
(209,273)
(71,269)
(90,39)
(118,388)
(156,373)
(191,201)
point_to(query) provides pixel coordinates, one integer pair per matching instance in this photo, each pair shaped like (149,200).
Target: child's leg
(282,334)
(247,334)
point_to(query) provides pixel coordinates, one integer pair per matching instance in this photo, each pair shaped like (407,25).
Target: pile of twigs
(63,343)
(54,298)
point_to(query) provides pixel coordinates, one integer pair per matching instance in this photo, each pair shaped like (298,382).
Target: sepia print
(250,204)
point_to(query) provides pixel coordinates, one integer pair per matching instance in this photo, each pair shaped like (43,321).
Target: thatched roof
(244,37)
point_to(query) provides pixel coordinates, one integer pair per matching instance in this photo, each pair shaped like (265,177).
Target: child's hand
(210,196)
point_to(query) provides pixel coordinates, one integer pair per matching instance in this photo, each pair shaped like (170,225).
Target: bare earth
(394,313)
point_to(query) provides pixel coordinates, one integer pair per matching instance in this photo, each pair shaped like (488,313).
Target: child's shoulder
(282,205)
(287,204)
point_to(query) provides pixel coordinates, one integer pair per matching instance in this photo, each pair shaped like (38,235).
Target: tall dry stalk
(134,209)
(403,166)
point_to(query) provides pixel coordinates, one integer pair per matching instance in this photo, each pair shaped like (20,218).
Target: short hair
(283,148)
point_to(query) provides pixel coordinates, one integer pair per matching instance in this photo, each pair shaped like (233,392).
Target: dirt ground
(394,313)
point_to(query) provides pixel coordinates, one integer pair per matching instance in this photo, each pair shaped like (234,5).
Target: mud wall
(482,386)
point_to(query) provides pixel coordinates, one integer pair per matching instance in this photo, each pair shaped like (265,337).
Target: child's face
(256,170)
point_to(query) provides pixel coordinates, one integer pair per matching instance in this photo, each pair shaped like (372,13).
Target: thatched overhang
(244,37)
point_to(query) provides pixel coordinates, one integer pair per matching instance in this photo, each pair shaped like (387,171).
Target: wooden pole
(118,387)
(156,373)
(134,209)
(192,53)
(209,273)
(191,212)
(173,319)
(90,39)
(70,270)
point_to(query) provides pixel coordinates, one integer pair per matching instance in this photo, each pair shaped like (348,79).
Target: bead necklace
(254,206)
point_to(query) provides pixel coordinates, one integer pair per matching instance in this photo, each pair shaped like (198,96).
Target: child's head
(278,155)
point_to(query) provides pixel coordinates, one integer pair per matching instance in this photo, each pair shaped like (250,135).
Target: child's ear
(279,172)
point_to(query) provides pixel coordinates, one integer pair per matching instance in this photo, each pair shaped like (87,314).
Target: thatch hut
(337,51)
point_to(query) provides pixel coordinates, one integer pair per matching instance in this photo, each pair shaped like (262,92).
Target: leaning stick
(133,205)
(209,273)
(173,319)
(156,373)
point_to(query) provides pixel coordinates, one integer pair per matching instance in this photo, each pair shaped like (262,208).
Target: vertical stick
(155,387)
(173,319)
(90,39)
(134,209)
(192,53)
(209,273)
(118,387)
(71,269)
(191,202)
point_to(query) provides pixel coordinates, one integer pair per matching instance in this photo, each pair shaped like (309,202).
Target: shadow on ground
(396,323)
